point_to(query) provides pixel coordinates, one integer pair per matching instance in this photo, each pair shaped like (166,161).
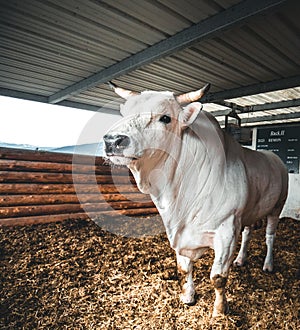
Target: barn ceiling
(64,52)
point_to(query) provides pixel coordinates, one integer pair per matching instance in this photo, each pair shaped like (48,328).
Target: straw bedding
(76,275)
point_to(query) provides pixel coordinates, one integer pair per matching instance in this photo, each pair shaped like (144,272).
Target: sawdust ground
(75,275)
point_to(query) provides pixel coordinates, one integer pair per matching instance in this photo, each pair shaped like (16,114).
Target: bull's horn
(193,96)
(124,93)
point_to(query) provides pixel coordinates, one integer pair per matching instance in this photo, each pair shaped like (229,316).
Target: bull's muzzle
(115,144)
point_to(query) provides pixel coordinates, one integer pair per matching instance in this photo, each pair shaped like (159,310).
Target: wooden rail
(41,187)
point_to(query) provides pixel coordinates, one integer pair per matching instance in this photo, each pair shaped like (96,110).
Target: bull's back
(267,180)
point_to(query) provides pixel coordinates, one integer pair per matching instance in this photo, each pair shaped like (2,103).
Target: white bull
(206,187)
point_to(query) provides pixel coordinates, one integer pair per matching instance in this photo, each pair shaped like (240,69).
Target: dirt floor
(75,275)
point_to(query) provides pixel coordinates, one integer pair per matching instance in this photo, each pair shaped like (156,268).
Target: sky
(47,125)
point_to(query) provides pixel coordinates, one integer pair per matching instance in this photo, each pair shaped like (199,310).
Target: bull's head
(151,123)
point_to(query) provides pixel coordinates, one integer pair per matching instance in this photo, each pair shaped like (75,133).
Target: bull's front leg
(185,276)
(224,246)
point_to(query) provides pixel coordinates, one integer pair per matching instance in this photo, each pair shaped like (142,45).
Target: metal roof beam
(258,107)
(22,95)
(208,28)
(44,99)
(284,116)
(273,105)
(256,120)
(270,86)
(230,105)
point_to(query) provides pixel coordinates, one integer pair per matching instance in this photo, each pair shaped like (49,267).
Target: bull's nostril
(115,144)
(122,141)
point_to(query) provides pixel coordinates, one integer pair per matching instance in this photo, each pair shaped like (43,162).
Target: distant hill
(93,149)
(22,146)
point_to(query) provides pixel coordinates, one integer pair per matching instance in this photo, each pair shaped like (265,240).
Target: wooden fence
(41,187)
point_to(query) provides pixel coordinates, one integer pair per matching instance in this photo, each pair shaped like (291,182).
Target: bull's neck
(191,181)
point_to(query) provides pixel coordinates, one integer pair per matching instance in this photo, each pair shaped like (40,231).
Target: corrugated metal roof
(251,118)
(63,51)
(281,95)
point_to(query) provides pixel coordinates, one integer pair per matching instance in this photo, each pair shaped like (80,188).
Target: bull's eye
(165,119)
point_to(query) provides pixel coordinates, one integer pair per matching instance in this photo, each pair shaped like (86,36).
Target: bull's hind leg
(272,222)
(241,258)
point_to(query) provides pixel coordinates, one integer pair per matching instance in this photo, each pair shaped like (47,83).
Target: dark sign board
(283,141)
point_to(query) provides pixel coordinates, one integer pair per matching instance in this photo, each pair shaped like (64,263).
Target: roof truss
(258,107)
(270,86)
(208,28)
(267,118)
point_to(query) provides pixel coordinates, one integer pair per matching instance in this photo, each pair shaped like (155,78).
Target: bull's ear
(190,113)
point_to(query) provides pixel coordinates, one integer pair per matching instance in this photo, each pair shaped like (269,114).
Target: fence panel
(41,187)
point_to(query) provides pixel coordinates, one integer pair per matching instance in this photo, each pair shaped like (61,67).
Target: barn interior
(65,53)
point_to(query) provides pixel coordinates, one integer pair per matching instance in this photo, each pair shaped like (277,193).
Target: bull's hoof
(238,263)
(220,311)
(187,299)
(268,268)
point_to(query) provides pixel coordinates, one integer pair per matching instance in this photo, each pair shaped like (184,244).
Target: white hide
(204,184)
